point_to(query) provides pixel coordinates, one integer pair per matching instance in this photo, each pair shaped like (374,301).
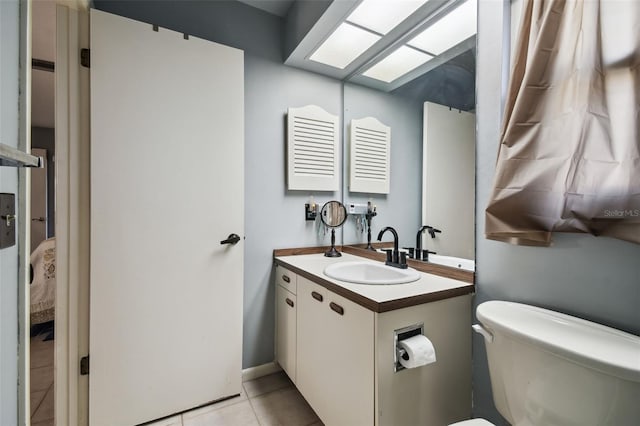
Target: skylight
(381,16)
(344,45)
(455,27)
(396,64)
(368,30)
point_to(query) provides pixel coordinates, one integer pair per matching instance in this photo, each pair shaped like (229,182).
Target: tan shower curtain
(569,157)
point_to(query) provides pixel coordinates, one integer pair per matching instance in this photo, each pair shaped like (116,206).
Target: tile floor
(41,381)
(268,401)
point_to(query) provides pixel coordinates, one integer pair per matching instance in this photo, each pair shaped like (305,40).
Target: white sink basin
(454,262)
(370,273)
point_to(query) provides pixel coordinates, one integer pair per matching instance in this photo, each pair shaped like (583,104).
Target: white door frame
(72,214)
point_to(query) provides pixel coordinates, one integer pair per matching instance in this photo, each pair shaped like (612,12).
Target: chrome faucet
(421,254)
(394,258)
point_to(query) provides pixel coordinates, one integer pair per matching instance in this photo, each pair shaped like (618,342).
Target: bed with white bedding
(43,285)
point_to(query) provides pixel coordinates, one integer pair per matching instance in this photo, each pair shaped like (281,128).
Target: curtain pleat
(569,155)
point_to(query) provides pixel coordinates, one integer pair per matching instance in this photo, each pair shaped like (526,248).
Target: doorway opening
(43,250)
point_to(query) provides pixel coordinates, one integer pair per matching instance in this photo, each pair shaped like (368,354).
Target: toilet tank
(549,368)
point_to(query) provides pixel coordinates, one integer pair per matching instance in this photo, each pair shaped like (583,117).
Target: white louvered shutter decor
(370,156)
(313,149)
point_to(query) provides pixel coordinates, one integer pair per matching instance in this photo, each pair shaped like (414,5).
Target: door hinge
(84,365)
(85,57)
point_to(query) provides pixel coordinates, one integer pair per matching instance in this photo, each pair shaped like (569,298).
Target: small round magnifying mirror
(333,214)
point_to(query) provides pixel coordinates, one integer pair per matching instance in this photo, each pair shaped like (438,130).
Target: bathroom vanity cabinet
(319,340)
(341,354)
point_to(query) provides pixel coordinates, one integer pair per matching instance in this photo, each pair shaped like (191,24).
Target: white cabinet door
(286,331)
(335,356)
(166,187)
(310,336)
(312,341)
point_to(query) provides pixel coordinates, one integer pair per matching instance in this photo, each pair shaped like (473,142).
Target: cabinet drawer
(286,306)
(286,279)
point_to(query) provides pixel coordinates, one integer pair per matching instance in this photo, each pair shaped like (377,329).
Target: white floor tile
(36,399)
(41,353)
(41,378)
(45,412)
(239,414)
(212,407)
(285,407)
(171,421)
(267,384)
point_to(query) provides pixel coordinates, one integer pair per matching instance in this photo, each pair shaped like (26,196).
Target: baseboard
(258,371)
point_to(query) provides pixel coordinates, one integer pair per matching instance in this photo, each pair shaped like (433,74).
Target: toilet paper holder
(399,335)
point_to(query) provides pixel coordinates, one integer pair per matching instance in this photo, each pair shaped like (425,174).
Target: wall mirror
(432,176)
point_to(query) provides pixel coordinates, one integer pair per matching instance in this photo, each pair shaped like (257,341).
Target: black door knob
(231,239)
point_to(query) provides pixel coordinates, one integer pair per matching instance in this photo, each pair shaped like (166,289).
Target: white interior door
(38,200)
(167,159)
(449,138)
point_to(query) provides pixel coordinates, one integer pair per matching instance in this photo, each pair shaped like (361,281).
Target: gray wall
(593,278)
(44,137)
(401,208)
(274,217)
(9,37)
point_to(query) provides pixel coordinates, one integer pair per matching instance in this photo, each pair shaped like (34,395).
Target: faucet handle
(426,253)
(389,254)
(403,258)
(411,251)
(432,231)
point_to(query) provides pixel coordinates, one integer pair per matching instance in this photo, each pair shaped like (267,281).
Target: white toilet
(549,368)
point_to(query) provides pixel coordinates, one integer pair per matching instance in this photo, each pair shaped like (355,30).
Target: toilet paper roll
(419,351)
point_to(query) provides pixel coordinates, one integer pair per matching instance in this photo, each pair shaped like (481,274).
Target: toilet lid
(473,422)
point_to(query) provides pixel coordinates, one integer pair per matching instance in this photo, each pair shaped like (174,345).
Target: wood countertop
(439,283)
